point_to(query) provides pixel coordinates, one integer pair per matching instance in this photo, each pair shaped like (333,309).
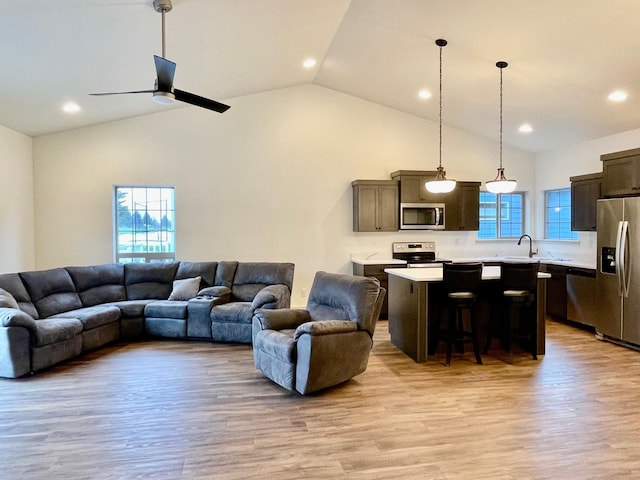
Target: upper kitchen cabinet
(412,189)
(621,173)
(462,207)
(585,192)
(375,205)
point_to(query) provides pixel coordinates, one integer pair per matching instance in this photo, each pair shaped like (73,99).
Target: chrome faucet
(531,252)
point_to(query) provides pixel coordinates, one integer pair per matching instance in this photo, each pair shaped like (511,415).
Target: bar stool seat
(461,283)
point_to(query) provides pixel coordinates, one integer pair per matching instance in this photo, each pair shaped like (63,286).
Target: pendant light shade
(501,184)
(440,184)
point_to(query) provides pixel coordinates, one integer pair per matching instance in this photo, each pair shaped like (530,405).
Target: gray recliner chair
(324,345)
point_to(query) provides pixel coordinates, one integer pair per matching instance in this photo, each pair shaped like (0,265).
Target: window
(557,215)
(144,224)
(501,215)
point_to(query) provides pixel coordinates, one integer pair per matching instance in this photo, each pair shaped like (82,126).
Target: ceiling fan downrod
(163,6)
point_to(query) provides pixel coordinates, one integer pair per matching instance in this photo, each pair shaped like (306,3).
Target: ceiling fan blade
(199,101)
(122,93)
(165,71)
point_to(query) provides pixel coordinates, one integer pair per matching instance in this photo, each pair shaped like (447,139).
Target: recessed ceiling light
(71,107)
(309,63)
(424,94)
(618,96)
(525,128)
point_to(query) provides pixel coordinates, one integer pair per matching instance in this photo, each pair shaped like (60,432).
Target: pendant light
(501,184)
(440,184)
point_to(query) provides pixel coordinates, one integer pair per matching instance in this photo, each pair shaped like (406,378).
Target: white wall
(16,205)
(553,169)
(268,180)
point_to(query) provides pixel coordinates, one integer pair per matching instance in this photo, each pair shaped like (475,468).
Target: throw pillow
(7,300)
(185,289)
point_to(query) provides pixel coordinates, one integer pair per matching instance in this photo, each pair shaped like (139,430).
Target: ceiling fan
(164,92)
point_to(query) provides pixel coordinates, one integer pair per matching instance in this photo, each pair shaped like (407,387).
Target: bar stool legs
(455,326)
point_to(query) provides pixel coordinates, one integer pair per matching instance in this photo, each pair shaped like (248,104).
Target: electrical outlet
(303,292)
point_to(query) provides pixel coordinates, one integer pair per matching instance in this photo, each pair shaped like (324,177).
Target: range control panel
(413,247)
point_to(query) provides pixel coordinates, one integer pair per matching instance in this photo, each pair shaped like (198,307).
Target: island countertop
(435,274)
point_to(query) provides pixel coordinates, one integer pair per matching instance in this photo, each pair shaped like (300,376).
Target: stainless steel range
(417,254)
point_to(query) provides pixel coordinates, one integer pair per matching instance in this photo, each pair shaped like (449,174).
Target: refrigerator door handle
(619,259)
(624,249)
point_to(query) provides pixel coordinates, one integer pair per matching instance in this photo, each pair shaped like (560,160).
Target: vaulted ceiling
(565,57)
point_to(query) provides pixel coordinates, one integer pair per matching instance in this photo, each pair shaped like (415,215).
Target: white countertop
(435,274)
(378,261)
(566,262)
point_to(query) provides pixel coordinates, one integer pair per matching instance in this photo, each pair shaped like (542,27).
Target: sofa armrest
(224,293)
(199,314)
(280,319)
(11,317)
(272,297)
(326,327)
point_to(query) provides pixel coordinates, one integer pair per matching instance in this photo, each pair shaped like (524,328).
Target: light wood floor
(186,410)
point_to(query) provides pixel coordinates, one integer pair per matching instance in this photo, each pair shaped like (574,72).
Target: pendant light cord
(440,115)
(500,118)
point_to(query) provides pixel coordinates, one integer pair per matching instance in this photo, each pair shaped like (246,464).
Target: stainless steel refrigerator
(618,273)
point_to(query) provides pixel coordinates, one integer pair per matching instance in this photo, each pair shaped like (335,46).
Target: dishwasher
(581,295)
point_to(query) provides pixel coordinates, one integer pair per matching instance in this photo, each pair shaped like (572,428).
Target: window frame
(164,219)
(500,205)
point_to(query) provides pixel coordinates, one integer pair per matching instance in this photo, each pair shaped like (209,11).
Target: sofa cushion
(54,330)
(12,283)
(149,280)
(93,317)
(185,289)
(225,273)
(235,312)
(98,284)
(7,300)
(251,277)
(166,309)
(131,308)
(205,270)
(52,291)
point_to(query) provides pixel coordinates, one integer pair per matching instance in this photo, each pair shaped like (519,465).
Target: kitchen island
(413,295)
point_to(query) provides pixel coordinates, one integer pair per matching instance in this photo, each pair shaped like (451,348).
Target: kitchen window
(144,224)
(557,217)
(501,215)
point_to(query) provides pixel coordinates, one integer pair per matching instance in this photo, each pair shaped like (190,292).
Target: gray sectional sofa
(52,315)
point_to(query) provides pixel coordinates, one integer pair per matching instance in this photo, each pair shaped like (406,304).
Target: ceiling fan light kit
(501,184)
(440,184)
(164,92)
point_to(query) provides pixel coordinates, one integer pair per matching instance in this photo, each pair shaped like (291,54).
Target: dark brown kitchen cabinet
(621,173)
(412,188)
(556,290)
(377,271)
(375,205)
(585,192)
(462,207)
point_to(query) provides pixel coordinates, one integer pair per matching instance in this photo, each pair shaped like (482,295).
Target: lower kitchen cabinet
(556,290)
(377,271)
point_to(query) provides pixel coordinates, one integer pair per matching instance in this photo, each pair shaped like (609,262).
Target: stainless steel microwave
(422,216)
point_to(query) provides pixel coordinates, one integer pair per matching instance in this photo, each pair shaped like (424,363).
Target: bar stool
(461,283)
(518,285)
